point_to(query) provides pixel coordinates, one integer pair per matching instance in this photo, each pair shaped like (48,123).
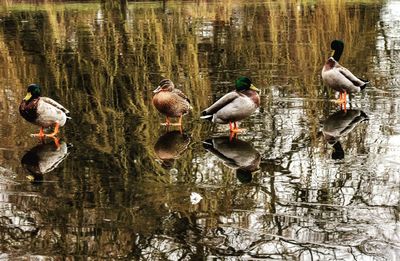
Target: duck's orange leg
(232,135)
(342,98)
(236,128)
(343,106)
(179,122)
(41,134)
(167,122)
(339,101)
(54,133)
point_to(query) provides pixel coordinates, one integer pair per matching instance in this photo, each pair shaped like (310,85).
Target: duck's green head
(337,46)
(244,83)
(33,92)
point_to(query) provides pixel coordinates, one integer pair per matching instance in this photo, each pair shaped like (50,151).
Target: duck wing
(181,94)
(346,73)
(222,102)
(54,103)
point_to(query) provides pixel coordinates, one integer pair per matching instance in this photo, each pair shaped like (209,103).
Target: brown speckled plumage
(170,101)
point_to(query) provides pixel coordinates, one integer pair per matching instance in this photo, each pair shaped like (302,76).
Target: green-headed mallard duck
(234,106)
(236,154)
(170,101)
(338,77)
(42,111)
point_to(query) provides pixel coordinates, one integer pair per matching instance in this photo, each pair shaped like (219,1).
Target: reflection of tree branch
(357,196)
(305,246)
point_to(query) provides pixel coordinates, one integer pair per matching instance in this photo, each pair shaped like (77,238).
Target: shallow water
(123,187)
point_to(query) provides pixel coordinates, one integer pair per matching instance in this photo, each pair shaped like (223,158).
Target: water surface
(121,186)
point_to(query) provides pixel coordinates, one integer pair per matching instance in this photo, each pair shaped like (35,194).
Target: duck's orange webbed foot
(343,106)
(179,123)
(342,101)
(54,133)
(40,135)
(234,128)
(232,135)
(166,123)
(342,98)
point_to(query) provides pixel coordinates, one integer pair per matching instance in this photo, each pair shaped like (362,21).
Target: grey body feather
(233,106)
(341,79)
(50,112)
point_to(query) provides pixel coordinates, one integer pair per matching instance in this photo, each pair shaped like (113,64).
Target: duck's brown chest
(28,110)
(168,104)
(253,95)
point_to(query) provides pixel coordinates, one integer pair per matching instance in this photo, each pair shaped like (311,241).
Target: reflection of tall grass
(115,62)
(104,61)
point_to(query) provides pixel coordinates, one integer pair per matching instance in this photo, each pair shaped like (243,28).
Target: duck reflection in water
(44,158)
(236,154)
(170,146)
(340,124)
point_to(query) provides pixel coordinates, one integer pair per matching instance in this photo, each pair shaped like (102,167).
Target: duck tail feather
(206,116)
(208,144)
(362,87)
(364,80)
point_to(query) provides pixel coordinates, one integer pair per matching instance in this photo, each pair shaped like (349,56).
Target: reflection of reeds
(103,61)
(118,61)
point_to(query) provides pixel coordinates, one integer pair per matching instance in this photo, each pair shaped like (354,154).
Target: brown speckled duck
(234,106)
(42,111)
(170,101)
(338,77)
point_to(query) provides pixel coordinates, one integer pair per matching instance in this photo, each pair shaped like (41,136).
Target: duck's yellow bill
(28,96)
(333,52)
(254,88)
